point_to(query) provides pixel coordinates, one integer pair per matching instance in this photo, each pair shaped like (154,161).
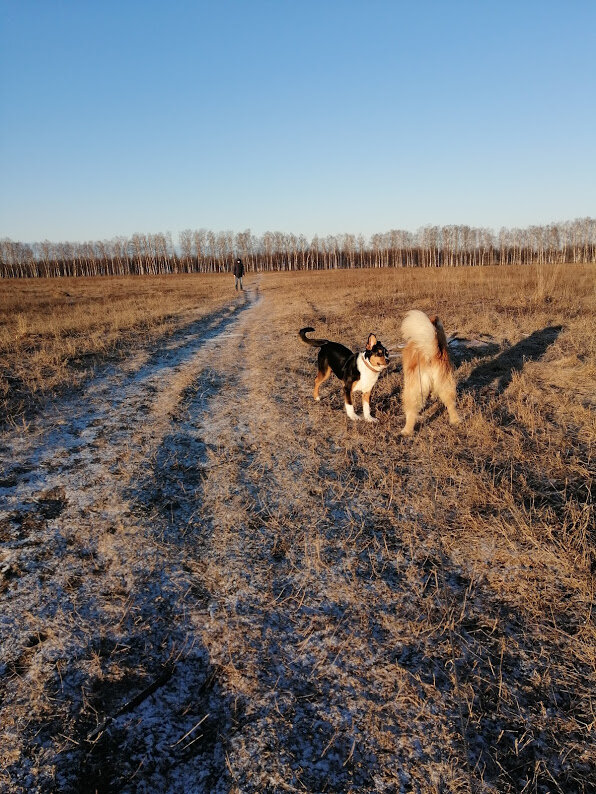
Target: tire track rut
(99,496)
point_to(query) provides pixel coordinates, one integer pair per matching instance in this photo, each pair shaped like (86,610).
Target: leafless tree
(203,250)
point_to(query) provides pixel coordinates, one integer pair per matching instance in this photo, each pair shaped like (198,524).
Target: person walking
(238,273)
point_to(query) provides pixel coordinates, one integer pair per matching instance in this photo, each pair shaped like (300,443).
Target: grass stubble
(322,605)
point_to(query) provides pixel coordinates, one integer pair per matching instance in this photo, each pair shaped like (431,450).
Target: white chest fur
(368,377)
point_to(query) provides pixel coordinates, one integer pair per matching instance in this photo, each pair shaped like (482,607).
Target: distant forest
(205,251)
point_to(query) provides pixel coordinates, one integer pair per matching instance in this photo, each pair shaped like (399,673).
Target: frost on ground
(209,584)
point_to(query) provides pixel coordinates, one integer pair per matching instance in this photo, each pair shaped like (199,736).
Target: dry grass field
(211,583)
(54,331)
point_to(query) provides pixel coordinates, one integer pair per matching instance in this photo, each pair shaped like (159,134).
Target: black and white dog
(357,371)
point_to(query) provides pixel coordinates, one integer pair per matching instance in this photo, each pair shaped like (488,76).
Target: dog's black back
(341,360)
(333,354)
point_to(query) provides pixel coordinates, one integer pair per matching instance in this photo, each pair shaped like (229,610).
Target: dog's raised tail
(312,342)
(416,327)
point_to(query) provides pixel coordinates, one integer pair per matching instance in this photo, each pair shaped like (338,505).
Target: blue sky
(303,116)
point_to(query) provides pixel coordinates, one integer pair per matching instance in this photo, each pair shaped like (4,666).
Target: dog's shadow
(497,373)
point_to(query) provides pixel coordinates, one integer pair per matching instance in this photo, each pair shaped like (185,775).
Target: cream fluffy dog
(426,366)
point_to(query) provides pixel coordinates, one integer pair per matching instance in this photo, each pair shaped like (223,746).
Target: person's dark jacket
(238,268)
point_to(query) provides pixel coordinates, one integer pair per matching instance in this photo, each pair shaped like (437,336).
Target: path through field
(210,584)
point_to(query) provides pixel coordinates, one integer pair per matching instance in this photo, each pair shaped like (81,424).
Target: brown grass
(54,331)
(491,526)
(353,611)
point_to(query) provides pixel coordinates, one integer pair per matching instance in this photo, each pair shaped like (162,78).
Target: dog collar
(370,366)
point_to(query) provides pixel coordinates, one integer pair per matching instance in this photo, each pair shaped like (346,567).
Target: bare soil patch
(209,583)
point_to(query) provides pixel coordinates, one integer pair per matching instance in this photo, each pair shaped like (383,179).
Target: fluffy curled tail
(426,334)
(312,342)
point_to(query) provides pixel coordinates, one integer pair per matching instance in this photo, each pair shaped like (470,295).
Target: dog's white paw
(351,413)
(371,419)
(317,399)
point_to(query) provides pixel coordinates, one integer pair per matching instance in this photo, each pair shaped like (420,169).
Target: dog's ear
(372,341)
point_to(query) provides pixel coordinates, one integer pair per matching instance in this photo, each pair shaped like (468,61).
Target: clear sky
(303,116)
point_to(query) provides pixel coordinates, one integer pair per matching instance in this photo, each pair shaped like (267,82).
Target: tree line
(203,251)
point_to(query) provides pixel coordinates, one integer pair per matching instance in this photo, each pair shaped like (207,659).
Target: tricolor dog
(358,371)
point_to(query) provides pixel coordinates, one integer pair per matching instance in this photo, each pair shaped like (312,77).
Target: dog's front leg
(349,407)
(366,407)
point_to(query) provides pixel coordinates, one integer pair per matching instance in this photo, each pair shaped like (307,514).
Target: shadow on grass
(172,485)
(497,373)
(130,745)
